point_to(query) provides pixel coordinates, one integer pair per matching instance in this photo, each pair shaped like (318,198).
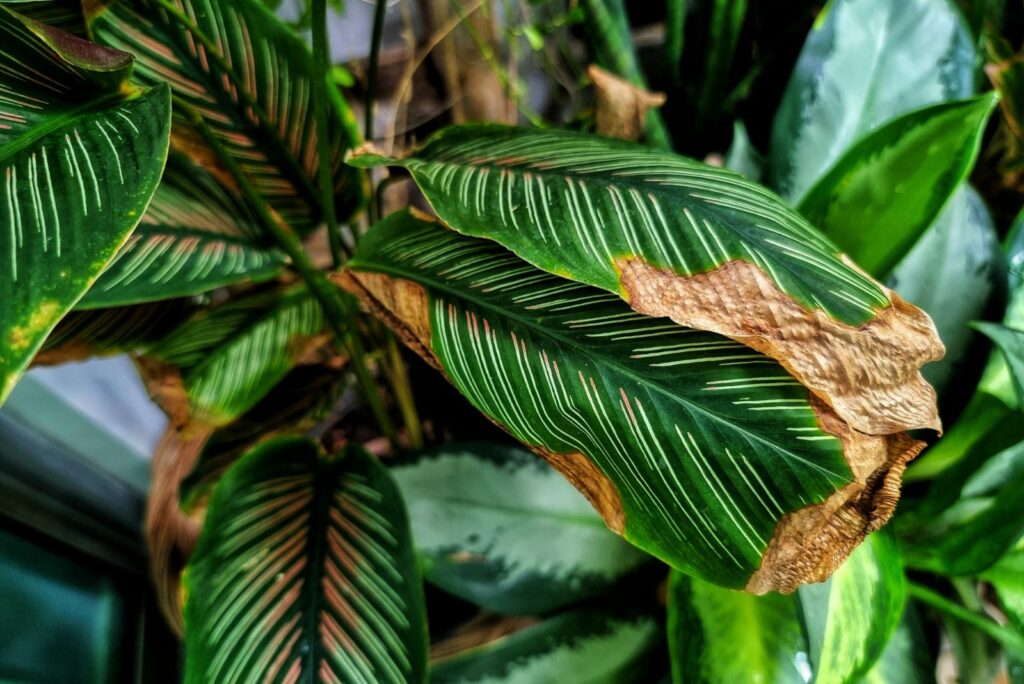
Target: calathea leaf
(230,356)
(499,527)
(196,236)
(305,571)
(884,192)
(250,78)
(80,157)
(718,635)
(696,448)
(65,15)
(865,62)
(697,244)
(594,646)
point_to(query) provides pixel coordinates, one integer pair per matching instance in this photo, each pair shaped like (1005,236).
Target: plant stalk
(321,66)
(337,309)
(1011,641)
(371,77)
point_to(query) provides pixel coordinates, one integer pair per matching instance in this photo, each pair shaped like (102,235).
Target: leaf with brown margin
(706,247)
(730,471)
(620,108)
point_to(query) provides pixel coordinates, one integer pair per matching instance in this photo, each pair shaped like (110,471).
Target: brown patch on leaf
(869,374)
(404,306)
(483,629)
(165,386)
(811,543)
(621,108)
(171,535)
(595,485)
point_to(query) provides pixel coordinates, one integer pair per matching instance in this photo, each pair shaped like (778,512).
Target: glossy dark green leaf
(884,192)
(719,636)
(696,467)
(197,235)
(951,273)
(232,355)
(865,63)
(850,617)
(65,15)
(592,646)
(1011,343)
(80,157)
(305,571)
(250,78)
(498,526)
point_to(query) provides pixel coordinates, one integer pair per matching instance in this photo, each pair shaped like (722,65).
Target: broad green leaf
(907,658)
(719,636)
(80,158)
(1010,342)
(864,63)
(131,329)
(232,355)
(742,157)
(196,236)
(293,406)
(611,42)
(700,245)
(585,646)
(499,527)
(65,15)
(850,617)
(692,446)
(1007,577)
(950,273)
(304,571)
(885,191)
(250,78)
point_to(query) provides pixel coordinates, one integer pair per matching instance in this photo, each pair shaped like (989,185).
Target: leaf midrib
(557,337)
(92,107)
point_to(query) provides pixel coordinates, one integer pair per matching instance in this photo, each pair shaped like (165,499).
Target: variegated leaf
(250,78)
(694,447)
(232,355)
(697,244)
(593,646)
(499,527)
(304,571)
(196,236)
(887,189)
(865,62)
(80,158)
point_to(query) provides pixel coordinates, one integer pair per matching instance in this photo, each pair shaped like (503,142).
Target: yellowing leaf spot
(42,318)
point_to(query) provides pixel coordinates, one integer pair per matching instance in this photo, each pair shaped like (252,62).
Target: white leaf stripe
(305,573)
(669,210)
(704,462)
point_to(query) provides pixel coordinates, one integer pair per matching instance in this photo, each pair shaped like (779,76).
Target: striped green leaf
(719,636)
(591,646)
(196,236)
(850,618)
(499,527)
(80,158)
(250,78)
(694,447)
(886,190)
(304,571)
(232,355)
(698,244)
(293,406)
(951,273)
(864,63)
(831,633)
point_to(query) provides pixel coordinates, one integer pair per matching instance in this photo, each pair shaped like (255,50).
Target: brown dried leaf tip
(620,110)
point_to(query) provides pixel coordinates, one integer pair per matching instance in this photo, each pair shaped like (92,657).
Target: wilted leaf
(80,158)
(499,527)
(305,571)
(730,471)
(700,245)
